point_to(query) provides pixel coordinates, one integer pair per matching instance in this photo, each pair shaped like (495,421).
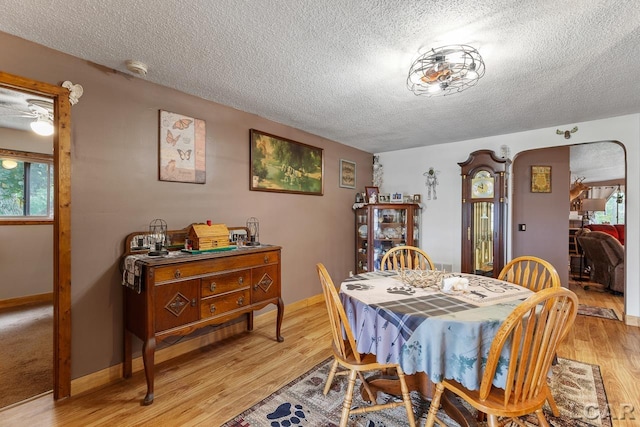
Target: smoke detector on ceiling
(136,67)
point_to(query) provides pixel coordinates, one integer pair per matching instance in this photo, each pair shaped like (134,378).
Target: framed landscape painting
(182,148)
(284,166)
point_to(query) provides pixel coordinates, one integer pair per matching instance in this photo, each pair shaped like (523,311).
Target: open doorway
(60,248)
(26,218)
(542,221)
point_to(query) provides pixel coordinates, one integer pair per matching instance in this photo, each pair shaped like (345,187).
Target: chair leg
(435,405)
(493,421)
(541,418)
(372,396)
(406,398)
(552,403)
(346,405)
(332,373)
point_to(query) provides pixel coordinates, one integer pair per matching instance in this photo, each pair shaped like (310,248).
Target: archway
(541,221)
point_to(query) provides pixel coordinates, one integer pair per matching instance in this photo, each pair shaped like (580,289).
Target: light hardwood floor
(209,386)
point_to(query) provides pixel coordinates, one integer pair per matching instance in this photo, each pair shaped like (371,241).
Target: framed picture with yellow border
(541,179)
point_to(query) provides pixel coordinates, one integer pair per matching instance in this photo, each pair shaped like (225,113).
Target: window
(614,210)
(26,185)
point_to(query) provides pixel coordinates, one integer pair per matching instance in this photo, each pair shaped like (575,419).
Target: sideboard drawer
(221,283)
(264,258)
(214,306)
(202,267)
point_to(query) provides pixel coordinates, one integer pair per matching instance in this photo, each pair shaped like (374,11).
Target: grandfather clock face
(482,185)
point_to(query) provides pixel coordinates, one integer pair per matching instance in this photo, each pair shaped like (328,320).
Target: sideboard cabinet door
(176,304)
(265,283)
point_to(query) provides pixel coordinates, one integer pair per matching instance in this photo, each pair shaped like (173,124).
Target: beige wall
(22,242)
(26,260)
(13,139)
(115,190)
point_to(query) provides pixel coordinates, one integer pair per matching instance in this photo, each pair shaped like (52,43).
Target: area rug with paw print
(577,388)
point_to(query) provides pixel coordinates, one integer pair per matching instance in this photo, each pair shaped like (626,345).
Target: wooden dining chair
(409,257)
(532,333)
(531,272)
(535,274)
(346,355)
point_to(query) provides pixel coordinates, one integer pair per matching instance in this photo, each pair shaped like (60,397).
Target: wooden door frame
(61,225)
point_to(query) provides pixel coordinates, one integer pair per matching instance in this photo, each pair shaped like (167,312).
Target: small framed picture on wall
(541,179)
(347,174)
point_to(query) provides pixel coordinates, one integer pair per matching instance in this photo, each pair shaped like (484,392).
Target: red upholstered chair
(620,228)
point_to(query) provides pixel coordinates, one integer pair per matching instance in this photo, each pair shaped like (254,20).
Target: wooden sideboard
(183,292)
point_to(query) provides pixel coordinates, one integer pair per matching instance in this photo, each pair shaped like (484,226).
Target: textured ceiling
(597,162)
(338,68)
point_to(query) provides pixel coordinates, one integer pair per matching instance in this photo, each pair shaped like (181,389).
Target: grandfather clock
(484,203)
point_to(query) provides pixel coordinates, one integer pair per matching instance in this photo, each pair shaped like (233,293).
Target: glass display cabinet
(380,227)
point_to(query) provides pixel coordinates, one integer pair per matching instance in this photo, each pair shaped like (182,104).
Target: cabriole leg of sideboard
(279,337)
(148,352)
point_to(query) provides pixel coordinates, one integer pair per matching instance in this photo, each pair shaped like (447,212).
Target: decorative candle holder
(158,234)
(253,225)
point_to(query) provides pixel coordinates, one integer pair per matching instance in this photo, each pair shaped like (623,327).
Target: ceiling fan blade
(10,110)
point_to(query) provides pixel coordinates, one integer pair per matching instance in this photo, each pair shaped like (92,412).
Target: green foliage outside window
(614,211)
(26,190)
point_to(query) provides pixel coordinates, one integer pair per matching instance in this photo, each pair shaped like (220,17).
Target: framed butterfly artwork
(182,148)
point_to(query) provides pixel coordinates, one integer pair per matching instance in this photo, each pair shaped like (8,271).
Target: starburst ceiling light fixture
(445,70)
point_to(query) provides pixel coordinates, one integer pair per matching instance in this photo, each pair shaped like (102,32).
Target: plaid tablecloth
(446,335)
(131,272)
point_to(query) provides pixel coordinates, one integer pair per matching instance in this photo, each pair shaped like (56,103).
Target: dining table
(432,333)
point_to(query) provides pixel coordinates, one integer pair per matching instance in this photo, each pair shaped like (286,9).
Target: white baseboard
(631,320)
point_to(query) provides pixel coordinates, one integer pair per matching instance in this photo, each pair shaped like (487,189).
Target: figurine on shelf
(373,199)
(431,183)
(377,172)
